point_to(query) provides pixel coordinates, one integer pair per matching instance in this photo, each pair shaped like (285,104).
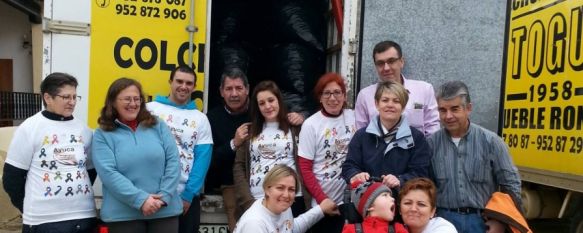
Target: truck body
(541,111)
(503,50)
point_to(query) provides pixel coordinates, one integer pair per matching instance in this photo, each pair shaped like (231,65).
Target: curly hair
(109,114)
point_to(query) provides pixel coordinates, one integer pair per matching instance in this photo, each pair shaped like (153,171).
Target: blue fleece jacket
(133,165)
(202,143)
(406,156)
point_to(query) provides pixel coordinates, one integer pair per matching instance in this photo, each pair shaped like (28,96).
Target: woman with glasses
(272,141)
(388,147)
(137,160)
(323,146)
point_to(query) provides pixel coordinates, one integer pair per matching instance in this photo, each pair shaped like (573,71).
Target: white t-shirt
(190,127)
(56,155)
(439,225)
(271,147)
(258,219)
(325,141)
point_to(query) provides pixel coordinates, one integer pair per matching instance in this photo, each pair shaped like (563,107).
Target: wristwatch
(232,143)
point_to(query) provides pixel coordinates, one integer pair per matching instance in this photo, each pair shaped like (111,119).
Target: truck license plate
(206,228)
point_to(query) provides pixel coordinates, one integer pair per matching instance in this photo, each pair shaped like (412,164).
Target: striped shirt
(466,175)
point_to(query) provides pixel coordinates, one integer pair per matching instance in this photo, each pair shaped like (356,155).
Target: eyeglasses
(70,97)
(390,61)
(337,94)
(129,99)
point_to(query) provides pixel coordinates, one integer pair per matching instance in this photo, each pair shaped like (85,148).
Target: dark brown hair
(257,119)
(422,184)
(383,46)
(54,82)
(108,115)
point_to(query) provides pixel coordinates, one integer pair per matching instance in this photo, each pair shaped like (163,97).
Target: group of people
(278,171)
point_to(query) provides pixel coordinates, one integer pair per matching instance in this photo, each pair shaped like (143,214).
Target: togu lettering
(158,54)
(547,45)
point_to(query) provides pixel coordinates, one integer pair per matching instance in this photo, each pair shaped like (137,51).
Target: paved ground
(11,225)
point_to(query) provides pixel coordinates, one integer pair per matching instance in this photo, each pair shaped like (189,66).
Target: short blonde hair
(393,88)
(278,172)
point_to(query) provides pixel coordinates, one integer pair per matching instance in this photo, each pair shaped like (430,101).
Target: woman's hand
(295,118)
(329,207)
(362,177)
(391,181)
(152,204)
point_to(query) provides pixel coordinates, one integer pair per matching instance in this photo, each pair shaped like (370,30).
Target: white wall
(13,26)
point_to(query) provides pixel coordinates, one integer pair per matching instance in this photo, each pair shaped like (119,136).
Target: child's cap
(363,194)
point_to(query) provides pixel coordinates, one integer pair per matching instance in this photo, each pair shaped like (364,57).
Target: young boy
(374,203)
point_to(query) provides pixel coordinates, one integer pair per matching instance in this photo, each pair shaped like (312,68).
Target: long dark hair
(257,120)
(108,113)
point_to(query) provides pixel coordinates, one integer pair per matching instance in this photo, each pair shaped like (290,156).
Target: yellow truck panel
(542,94)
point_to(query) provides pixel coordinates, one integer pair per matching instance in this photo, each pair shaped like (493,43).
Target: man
(231,128)
(421,109)
(230,124)
(48,172)
(469,162)
(192,132)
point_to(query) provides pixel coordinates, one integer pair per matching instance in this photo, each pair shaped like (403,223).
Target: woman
(272,212)
(137,160)
(388,147)
(272,141)
(418,204)
(323,146)
(374,203)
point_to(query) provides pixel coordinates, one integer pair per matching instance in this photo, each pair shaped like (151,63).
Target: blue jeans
(86,225)
(464,223)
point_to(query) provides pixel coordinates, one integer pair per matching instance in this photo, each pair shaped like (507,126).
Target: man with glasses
(192,132)
(421,109)
(48,172)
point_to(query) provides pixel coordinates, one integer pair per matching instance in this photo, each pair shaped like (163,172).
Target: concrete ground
(11,225)
(10,219)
